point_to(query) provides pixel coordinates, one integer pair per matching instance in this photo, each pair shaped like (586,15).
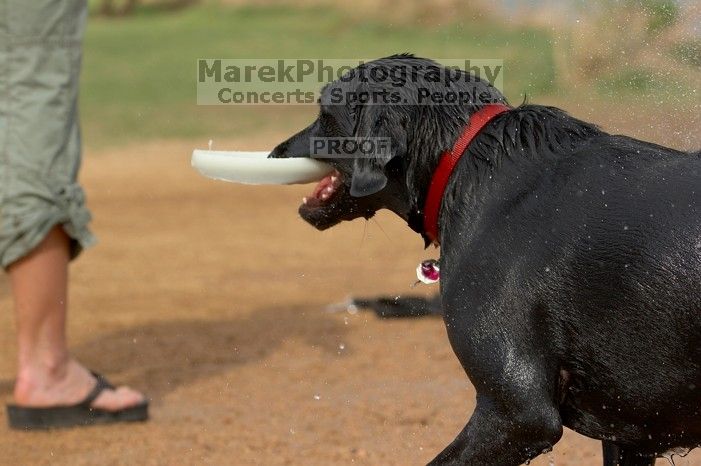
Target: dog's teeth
(324,196)
(333,179)
(304,200)
(329,189)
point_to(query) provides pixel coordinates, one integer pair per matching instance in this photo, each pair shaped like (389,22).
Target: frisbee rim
(255,168)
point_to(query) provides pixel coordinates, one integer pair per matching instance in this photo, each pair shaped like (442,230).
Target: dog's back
(608,247)
(630,289)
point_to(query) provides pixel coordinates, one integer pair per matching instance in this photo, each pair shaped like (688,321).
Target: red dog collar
(447,164)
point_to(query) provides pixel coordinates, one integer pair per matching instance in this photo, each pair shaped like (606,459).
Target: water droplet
(317,397)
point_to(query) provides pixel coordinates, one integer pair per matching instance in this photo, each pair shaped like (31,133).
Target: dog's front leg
(505,355)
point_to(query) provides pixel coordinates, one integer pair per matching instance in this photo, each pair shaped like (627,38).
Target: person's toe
(118,399)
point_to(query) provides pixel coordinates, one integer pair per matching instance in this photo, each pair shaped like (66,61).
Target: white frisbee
(257,168)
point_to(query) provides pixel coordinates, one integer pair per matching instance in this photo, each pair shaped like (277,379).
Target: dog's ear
(381,127)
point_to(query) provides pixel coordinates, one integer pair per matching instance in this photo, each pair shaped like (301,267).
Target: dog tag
(428,271)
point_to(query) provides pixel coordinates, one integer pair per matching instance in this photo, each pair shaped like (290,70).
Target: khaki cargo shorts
(40,53)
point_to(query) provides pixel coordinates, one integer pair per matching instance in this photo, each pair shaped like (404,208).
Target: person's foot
(67,385)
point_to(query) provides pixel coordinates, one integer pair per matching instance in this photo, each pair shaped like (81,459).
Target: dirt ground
(211,298)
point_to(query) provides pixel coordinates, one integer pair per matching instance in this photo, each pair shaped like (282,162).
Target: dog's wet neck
(423,216)
(527,133)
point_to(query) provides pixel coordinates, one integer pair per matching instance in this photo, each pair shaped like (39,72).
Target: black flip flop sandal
(81,414)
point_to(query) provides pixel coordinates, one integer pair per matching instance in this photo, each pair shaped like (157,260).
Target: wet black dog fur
(570,267)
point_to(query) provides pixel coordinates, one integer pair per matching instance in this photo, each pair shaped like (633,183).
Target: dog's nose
(279,152)
(298,145)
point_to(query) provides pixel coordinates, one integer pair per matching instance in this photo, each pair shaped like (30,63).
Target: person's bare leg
(47,375)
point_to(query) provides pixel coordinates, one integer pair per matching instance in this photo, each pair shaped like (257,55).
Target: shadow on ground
(162,356)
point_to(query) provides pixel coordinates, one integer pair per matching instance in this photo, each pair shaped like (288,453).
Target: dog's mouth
(324,192)
(331,203)
(324,207)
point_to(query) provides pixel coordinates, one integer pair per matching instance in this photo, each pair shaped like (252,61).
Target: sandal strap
(101,384)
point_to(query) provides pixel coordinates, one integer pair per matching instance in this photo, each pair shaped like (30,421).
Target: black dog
(570,261)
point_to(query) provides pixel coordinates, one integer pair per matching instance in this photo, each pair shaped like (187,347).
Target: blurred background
(140,55)
(213,297)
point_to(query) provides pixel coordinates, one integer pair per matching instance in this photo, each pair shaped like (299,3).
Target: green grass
(688,52)
(139,73)
(633,81)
